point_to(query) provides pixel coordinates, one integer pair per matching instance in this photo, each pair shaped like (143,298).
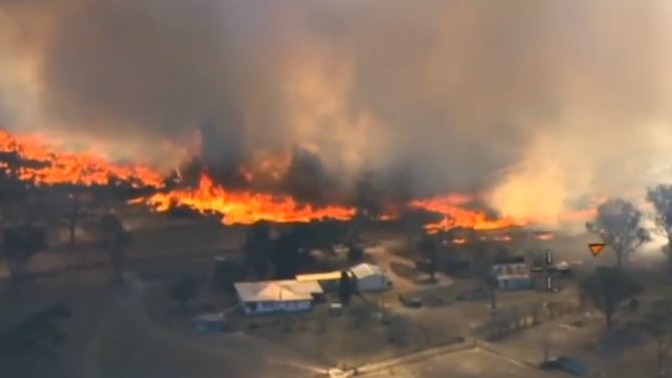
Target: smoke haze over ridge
(538,101)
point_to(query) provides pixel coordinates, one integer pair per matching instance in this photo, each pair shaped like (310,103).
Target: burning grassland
(289,189)
(36,159)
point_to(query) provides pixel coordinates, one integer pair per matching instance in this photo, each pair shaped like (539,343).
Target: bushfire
(33,158)
(244,207)
(456,216)
(43,163)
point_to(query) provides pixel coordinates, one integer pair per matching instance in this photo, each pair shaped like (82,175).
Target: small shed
(370,277)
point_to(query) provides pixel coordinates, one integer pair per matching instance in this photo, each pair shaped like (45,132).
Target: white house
(370,277)
(267,297)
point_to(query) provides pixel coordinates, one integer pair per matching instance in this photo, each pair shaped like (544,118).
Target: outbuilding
(512,273)
(370,277)
(327,280)
(267,297)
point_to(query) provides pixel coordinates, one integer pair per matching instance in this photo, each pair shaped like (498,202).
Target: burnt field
(160,237)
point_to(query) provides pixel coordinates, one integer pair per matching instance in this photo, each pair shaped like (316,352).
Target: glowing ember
(455,216)
(58,167)
(242,207)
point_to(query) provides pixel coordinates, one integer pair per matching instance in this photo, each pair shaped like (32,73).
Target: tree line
(30,215)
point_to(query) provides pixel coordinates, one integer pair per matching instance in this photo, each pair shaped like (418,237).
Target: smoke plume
(535,102)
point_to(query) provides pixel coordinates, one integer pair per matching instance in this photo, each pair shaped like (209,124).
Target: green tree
(345,288)
(225,274)
(185,289)
(114,239)
(618,224)
(606,288)
(258,249)
(19,244)
(656,323)
(429,248)
(355,253)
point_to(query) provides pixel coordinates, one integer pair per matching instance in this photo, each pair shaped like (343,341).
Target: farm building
(370,277)
(512,274)
(327,280)
(268,297)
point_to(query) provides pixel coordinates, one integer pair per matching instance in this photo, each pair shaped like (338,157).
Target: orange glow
(59,167)
(455,216)
(544,237)
(243,207)
(502,238)
(460,241)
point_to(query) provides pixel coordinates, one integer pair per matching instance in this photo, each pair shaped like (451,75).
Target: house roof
(325,276)
(277,291)
(365,270)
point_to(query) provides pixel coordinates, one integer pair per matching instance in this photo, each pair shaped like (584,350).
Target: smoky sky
(537,101)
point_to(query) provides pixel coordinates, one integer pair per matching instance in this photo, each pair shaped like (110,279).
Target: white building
(370,277)
(268,297)
(328,280)
(512,275)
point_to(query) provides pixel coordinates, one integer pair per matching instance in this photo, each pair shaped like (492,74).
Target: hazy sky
(539,101)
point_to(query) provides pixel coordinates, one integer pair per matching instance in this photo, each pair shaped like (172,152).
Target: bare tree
(617,223)
(661,199)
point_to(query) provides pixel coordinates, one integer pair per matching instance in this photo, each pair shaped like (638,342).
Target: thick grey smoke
(570,96)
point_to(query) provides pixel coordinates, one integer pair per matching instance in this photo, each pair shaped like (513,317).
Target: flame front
(49,165)
(243,207)
(58,167)
(456,216)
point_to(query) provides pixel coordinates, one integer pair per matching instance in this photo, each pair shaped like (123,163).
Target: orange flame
(236,207)
(58,167)
(456,216)
(242,207)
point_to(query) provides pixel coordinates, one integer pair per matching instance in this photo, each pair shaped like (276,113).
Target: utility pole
(547,269)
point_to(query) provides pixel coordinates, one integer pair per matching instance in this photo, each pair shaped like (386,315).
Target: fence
(515,320)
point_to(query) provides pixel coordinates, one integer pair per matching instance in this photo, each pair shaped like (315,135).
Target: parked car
(565,364)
